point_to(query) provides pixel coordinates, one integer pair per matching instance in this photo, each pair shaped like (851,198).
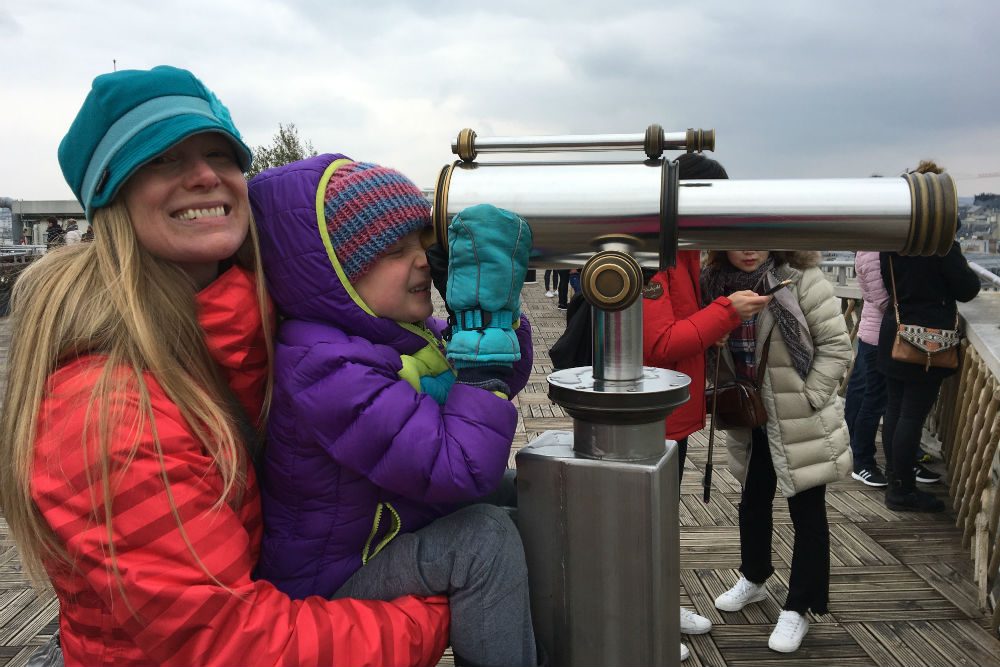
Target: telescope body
(598,506)
(575,208)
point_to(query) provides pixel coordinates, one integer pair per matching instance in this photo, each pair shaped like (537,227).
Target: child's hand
(437,260)
(487,261)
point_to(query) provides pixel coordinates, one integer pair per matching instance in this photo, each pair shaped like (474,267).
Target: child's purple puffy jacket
(355,454)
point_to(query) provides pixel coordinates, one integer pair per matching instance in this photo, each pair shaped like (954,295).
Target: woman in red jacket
(138,382)
(676,331)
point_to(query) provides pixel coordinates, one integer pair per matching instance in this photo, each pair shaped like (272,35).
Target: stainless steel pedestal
(597,512)
(602,548)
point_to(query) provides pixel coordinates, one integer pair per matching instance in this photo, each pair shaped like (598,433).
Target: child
(804,445)
(374,440)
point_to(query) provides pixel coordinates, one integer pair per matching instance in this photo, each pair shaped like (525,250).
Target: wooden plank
(45,609)
(826,644)
(969,634)
(871,643)
(865,550)
(952,583)
(14,605)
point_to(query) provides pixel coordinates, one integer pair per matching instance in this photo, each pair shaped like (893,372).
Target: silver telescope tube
(575,208)
(468,145)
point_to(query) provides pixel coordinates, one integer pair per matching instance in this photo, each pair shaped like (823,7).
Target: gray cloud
(794,89)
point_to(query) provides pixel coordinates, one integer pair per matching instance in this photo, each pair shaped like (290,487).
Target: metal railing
(16,252)
(986,276)
(842,269)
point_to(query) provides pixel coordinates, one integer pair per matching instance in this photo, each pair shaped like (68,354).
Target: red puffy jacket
(676,331)
(171,611)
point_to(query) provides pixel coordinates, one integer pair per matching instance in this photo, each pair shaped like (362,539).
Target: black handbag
(575,345)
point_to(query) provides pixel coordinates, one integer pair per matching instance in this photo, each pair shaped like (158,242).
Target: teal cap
(130,117)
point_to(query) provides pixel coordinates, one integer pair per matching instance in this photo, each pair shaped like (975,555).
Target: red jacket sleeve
(666,339)
(182,609)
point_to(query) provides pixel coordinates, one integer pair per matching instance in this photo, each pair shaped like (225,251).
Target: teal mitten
(488,250)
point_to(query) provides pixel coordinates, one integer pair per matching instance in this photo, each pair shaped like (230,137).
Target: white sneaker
(685,653)
(740,595)
(693,624)
(789,632)
(550,293)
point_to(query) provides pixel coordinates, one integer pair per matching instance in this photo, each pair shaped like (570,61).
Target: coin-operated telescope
(598,506)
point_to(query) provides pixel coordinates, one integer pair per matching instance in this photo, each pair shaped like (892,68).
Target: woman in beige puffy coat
(805,444)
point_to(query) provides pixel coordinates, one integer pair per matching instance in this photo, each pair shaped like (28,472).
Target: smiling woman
(189,205)
(139,380)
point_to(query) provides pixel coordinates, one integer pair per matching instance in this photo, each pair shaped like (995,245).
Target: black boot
(902,495)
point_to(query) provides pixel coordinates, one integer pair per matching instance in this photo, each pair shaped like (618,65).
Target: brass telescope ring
(611,280)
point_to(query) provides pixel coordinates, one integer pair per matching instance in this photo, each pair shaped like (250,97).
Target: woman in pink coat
(865,403)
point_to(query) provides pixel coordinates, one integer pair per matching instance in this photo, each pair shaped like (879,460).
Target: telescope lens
(610,283)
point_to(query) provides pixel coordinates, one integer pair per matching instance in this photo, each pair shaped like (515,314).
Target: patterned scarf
(723,281)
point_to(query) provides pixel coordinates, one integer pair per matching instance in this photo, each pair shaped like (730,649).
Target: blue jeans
(865,405)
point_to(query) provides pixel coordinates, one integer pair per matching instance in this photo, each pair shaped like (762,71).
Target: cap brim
(157,138)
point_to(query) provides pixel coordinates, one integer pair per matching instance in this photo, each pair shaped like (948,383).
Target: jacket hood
(304,275)
(801,259)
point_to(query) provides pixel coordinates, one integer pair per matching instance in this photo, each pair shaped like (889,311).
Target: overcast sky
(794,89)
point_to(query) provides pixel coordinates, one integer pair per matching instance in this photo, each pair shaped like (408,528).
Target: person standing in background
(73,235)
(925,292)
(865,400)
(800,349)
(54,234)
(676,332)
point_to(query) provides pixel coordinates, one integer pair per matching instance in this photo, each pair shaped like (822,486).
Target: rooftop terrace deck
(901,583)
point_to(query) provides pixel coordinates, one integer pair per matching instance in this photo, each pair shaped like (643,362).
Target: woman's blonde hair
(136,312)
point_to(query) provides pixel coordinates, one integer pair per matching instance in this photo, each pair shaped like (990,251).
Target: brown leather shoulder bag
(923,346)
(737,403)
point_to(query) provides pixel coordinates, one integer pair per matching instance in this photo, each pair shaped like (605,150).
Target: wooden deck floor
(900,588)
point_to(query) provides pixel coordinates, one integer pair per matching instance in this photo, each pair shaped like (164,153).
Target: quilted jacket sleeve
(522,368)
(832,344)
(666,339)
(873,291)
(180,610)
(402,440)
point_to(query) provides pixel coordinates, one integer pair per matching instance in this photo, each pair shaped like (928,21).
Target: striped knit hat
(368,209)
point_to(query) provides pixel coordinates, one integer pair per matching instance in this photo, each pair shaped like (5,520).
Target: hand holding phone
(782,284)
(747,303)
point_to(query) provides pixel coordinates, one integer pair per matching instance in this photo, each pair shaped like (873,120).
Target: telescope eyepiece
(611,280)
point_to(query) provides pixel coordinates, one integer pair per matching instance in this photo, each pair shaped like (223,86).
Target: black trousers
(563,288)
(809,583)
(907,405)
(682,448)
